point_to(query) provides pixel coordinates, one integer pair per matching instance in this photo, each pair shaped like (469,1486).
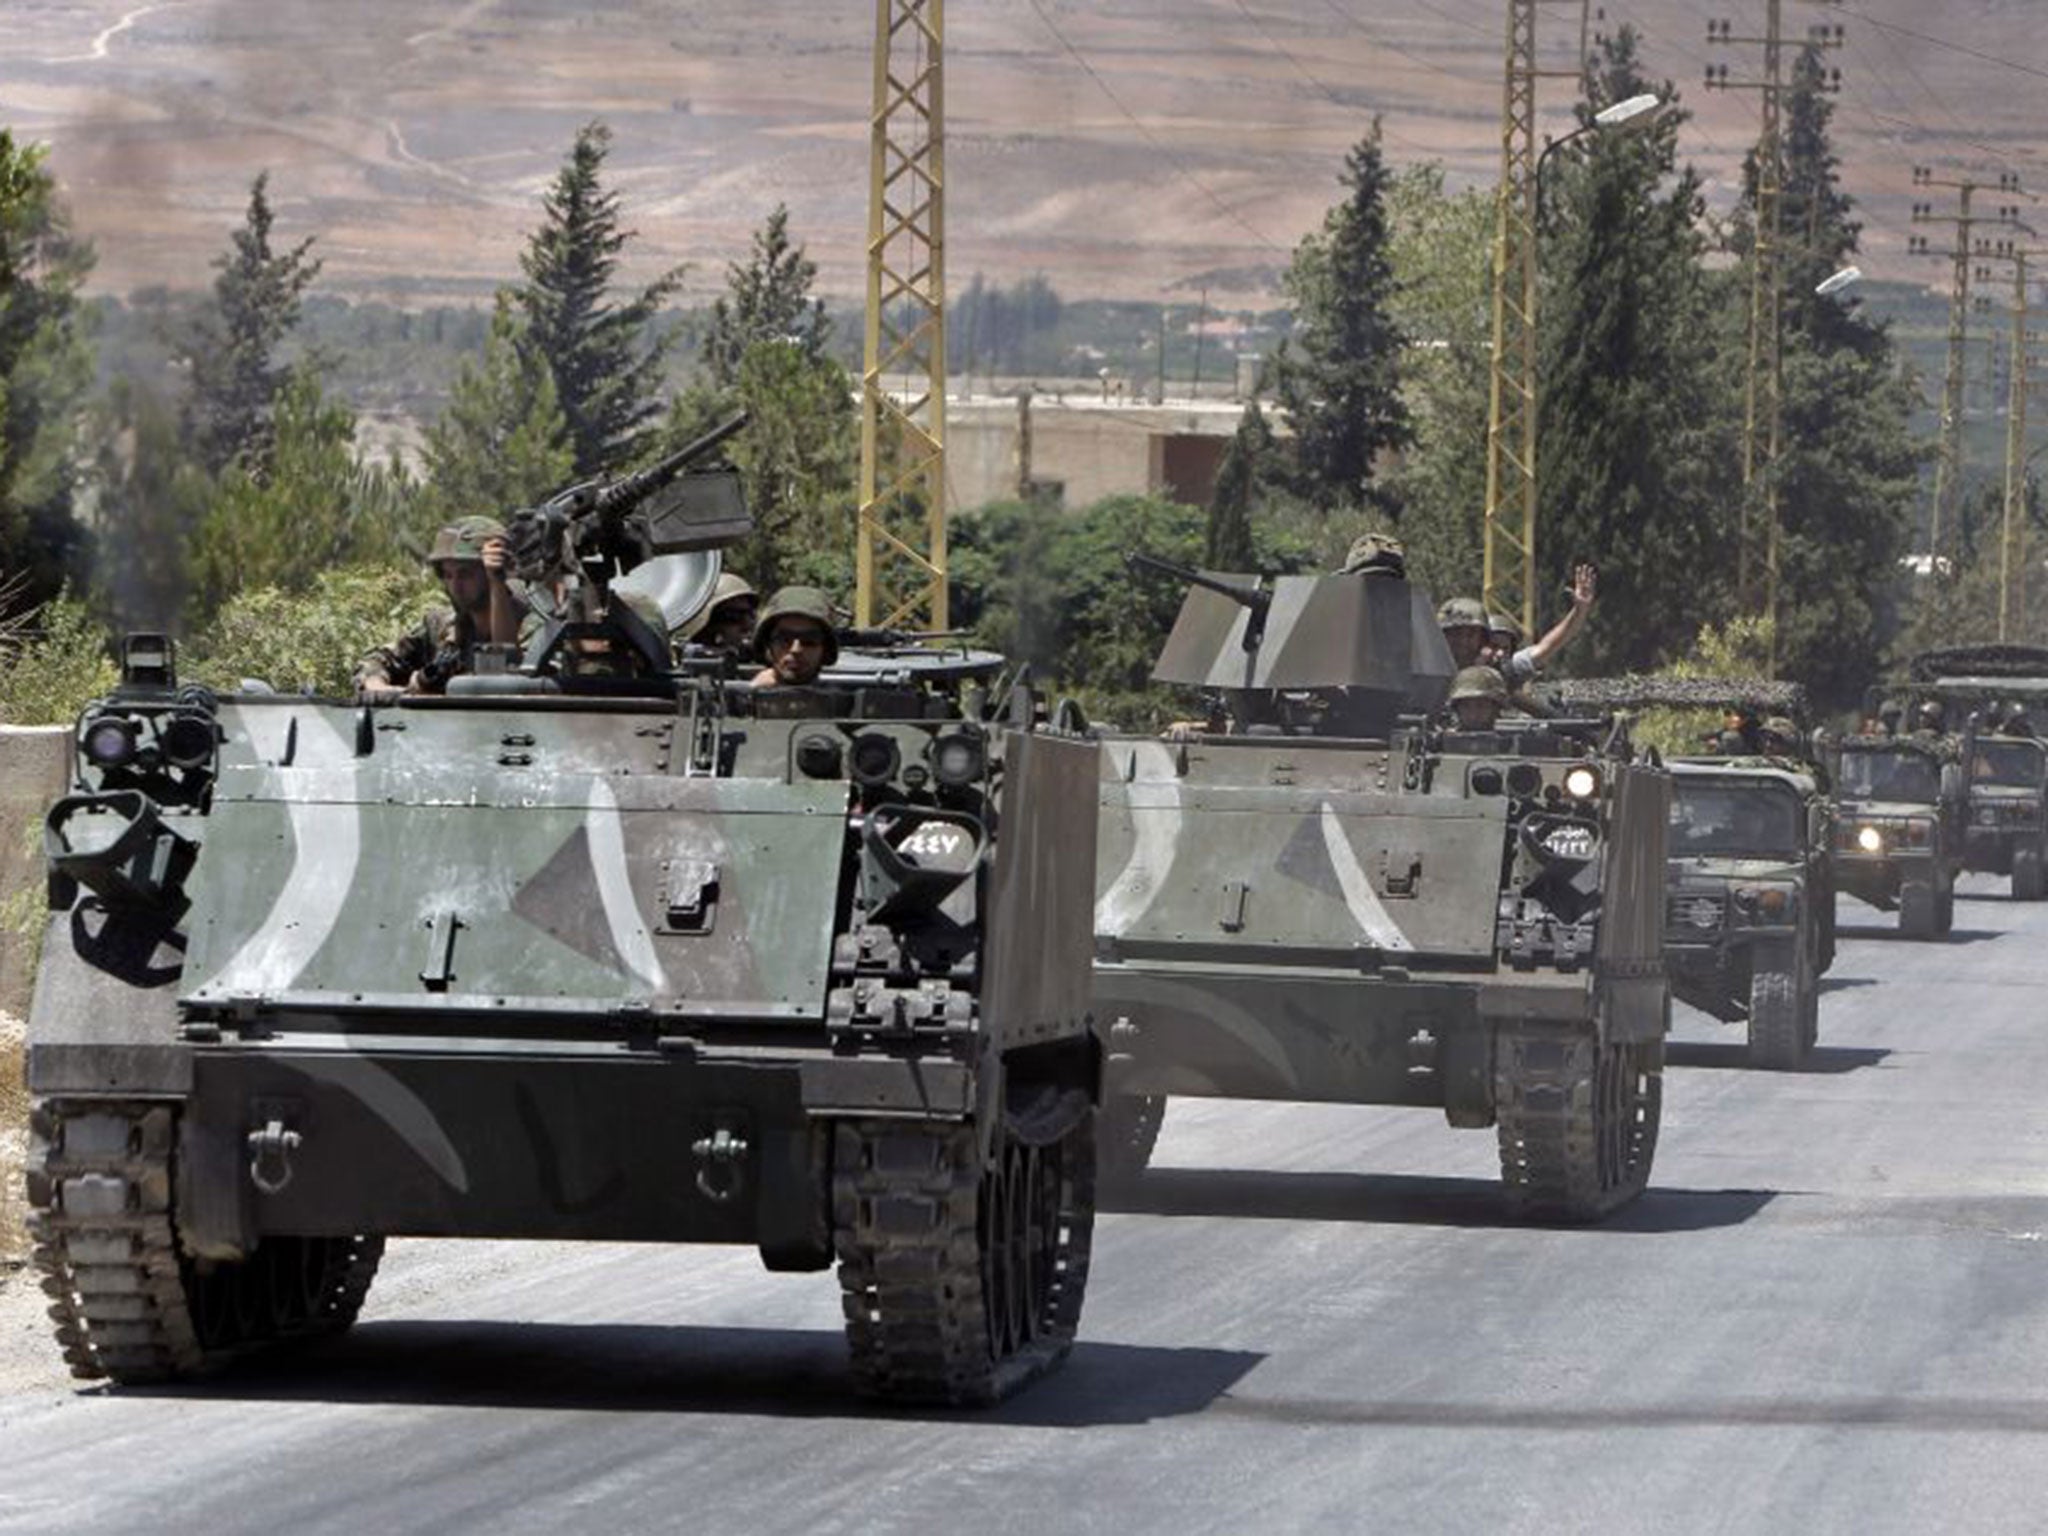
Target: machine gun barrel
(637,487)
(1250,597)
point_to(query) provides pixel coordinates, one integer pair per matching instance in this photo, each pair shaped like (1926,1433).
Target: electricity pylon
(2013,514)
(900,577)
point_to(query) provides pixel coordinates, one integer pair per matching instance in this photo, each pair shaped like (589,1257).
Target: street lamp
(1836,282)
(1635,113)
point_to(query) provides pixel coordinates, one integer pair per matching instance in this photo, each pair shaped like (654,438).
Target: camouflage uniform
(443,644)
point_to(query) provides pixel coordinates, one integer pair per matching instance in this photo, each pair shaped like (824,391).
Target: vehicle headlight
(1581,783)
(1772,903)
(1987,815)
(957,759)
(1870,840)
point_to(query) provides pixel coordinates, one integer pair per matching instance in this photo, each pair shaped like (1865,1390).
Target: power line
(1951,46)
(1230,213)
(1309,75)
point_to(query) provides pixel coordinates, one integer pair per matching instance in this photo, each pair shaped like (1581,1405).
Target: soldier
(2016,722)
(1778,737)
(1930,719)
(794,638)
(1469,632)
(474,564)
(1376,554)
(726,621)
(1478,694)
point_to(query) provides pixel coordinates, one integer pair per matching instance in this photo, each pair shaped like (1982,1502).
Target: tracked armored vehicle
(600,951)
(1325,896)
(1899,828)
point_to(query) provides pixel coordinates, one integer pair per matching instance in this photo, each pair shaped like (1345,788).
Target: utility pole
(1763,402)
(1508,574)
(903,435)
(1948,468)
(2013,514)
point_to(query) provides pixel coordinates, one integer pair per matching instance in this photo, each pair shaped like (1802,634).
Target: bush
(310,642)
(53,663)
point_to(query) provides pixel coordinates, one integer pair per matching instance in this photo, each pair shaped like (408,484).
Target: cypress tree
(1339,375)
(1239,481)
(502,443)
(232,349)
(604,356)
(767,298)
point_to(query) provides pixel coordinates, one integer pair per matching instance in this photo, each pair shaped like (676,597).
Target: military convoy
(1319,894)
(572,951)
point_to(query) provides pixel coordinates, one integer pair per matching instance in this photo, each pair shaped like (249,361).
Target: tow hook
(721,1165)
(270,1156)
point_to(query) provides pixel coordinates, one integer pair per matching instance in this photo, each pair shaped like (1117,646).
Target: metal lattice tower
(1508,575)
(900,545)
(2012,528)
(1948,468)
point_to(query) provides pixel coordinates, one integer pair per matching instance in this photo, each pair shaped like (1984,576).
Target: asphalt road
(1828,1314)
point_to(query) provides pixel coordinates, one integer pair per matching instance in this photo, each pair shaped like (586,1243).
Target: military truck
(1750,924)
(601,952)
(1750,910)
(1999,690)
(1322,894)
(1899,827)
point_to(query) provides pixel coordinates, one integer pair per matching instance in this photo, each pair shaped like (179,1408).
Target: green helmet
(729,586)
(1462,613)
(1479,683)
(1376,554)
(796,603)
(464,539)
(1780,727)
(1505,624)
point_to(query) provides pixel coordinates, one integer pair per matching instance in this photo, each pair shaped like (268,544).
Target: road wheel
(1128,1130)
(961,1278)
(1781,1015)
(1916,910)
(2029,878)
(1577,1121)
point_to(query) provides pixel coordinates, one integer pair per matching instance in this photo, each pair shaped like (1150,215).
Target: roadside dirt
(13,1139)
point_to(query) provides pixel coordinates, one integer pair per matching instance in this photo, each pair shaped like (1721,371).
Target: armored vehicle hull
(675,966)
(1464,925)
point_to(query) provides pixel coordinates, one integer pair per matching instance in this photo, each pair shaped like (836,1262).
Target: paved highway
(1830,1313)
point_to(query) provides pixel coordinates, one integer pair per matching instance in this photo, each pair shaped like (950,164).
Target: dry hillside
(1120,145)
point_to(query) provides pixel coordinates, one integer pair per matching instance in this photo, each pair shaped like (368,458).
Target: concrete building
(1084,445)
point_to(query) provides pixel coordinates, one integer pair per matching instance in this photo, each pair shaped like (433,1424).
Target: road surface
(1830,1313)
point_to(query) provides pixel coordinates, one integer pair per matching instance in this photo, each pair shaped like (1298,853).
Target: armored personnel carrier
(2001,690)
(1750,910)
(600,951)
(1324,895)
(1899,828)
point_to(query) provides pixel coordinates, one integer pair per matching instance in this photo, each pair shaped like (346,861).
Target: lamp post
(1636,113)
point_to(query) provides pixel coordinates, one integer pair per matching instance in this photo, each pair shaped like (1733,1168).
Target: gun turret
(1257,599)
(599,528)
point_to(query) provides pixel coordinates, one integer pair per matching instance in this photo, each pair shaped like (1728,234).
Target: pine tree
(232,351)
(45,373)
(768,298)
(605,357)
(1247,464)
(1338,376)
(1638,459)
(502,443)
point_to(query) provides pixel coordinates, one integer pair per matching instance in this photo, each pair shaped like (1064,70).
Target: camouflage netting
(1960,661)
(1754,694)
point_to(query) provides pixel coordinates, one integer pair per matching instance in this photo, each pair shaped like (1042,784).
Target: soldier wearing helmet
(1778,737)
(1478,694)
(1376,554)
(472,560)
(793,638)
(1929,719)
(1500,634)
(726,621)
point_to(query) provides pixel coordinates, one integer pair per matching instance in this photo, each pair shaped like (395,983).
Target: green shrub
(53,663)
(311,641)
